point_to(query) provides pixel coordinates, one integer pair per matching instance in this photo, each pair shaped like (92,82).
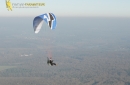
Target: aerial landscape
(92,54)
(89,42)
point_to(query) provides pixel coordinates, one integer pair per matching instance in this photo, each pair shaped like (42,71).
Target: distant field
(6,67)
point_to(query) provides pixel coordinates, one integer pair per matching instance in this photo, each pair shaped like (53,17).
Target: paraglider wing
(49,18)
(37,24)
(53,23)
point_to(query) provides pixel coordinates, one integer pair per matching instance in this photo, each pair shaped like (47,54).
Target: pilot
(50,61)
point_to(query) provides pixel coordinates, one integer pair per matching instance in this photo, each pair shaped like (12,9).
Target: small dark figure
(50,61)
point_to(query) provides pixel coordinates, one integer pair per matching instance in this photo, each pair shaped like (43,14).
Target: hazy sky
(109,8)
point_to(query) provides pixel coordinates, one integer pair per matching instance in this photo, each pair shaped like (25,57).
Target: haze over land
(87,50)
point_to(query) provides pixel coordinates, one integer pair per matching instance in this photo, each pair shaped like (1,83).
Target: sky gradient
(87,8)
